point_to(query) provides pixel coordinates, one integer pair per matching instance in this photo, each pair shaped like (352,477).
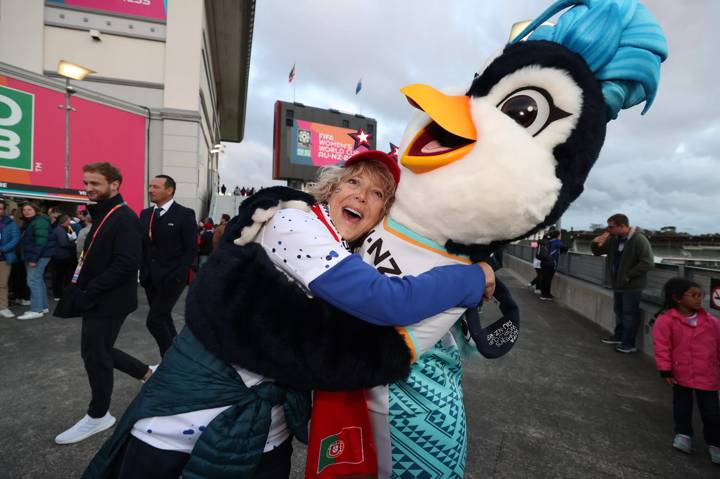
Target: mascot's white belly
(419,423)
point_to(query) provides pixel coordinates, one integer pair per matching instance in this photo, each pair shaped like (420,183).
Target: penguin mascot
(501,160)
(492,165)
(481,169)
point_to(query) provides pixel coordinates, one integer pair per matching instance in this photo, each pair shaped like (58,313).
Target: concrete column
(183,57)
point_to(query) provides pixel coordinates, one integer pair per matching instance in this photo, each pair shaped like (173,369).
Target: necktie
(159,211)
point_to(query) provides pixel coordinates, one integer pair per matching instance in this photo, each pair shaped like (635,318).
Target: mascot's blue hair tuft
(620,40)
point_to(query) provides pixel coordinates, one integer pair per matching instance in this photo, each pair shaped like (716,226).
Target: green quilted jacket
(191,378)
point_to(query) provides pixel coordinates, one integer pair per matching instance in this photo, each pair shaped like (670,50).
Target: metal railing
(591,268)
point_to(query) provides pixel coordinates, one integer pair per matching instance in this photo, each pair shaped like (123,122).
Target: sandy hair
(330,178)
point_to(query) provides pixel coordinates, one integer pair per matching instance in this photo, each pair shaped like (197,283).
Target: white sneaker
(29,315)
(56,299)
(6,313)
(46,311)
(683,442)
(24,302)
(714,454)
(84,428)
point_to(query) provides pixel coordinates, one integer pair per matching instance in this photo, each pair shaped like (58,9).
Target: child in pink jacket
(687,355)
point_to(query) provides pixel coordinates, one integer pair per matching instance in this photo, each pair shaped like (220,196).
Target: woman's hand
(489,280)
(670,381)
(31,264)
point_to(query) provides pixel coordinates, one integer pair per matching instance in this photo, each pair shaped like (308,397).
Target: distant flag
(358,87)
(291,76)
(393,151)
(361,137)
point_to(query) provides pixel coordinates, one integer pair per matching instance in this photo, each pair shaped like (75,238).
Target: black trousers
(17,284)
(142,461)
(709,407)
(162,299)
(536,280)
(62,272)
(546,277)
(100,358)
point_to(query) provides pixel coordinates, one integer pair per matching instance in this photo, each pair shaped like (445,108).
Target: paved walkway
(561,405)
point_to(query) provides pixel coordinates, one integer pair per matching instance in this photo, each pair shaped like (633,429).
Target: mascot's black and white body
(481,169)
(494,164)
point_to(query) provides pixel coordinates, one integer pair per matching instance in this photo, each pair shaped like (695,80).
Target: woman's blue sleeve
(358,289)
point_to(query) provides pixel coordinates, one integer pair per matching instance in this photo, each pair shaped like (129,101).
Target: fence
(592,269)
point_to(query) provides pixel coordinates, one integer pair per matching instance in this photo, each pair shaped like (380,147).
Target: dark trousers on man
(627,316)
(547,271)
(100,357)
(709,407)
(162,299)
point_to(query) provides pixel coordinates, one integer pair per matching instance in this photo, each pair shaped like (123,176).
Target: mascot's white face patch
(506,184)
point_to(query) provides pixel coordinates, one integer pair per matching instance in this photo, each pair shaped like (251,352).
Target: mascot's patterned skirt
(427,418)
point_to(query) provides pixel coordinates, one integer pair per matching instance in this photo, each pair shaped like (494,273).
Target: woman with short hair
(245,425)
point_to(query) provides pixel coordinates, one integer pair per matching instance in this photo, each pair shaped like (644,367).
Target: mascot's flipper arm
(247,312)
(498,338)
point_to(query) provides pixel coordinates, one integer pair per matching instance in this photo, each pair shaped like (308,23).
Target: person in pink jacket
(687,355)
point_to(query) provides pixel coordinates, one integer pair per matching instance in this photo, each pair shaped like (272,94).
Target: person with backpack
(548,253)
(37,247)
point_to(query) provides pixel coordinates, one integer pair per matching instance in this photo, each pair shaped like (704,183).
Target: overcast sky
(660,169)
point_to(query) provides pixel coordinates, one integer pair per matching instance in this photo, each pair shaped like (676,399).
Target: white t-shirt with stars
(303,247)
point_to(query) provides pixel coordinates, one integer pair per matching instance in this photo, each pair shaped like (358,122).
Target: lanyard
(81,260)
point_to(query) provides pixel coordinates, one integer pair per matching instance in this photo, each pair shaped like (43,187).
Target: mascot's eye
(531,108)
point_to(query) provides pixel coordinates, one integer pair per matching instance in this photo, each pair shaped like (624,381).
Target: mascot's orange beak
(449,136)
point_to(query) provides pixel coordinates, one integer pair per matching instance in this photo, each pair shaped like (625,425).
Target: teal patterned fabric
(427,418)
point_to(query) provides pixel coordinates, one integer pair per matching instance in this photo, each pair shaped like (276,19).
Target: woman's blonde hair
(329,180)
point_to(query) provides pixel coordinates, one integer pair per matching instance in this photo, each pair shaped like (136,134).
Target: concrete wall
(21,34)
(180,149)
(116,57)
(148,96)
(183,54)
(591,301)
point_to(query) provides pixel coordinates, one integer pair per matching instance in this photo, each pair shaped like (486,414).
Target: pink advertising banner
(32,143)
(148,9)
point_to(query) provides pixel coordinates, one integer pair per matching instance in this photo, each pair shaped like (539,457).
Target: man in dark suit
(169,251)
(104,292)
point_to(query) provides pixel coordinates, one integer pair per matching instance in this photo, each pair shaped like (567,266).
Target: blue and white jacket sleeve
(303,248)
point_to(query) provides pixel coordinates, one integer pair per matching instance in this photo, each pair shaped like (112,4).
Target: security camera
(95,34)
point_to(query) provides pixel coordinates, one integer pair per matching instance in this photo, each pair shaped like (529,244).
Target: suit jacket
(173,248)
(108,280)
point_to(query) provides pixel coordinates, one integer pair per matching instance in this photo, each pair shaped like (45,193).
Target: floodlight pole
(67,133)
(68,109)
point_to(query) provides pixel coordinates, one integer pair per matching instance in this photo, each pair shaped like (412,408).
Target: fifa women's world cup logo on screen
(304,142)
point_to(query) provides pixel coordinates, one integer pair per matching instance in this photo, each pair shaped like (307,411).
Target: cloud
(660,168)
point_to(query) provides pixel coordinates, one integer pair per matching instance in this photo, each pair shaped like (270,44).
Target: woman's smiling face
(357,204)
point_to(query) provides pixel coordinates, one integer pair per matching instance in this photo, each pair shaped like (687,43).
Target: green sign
(16,129)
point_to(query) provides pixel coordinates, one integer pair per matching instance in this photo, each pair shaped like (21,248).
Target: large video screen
(308,138)
(319,144)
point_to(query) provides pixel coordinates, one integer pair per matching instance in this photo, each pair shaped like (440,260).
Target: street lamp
(73,71)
